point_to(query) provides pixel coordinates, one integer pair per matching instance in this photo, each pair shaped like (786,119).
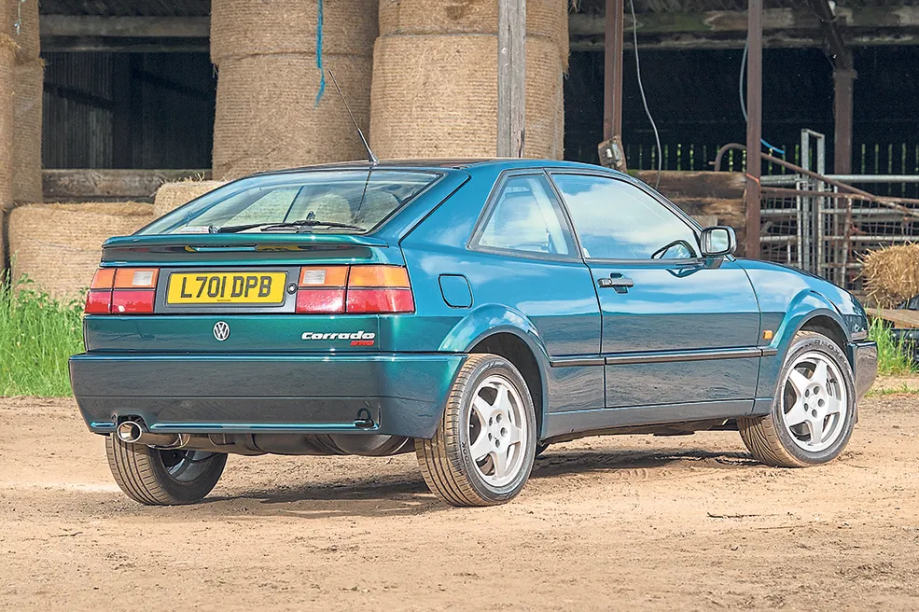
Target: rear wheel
(484,447)
(162,477)
(813,414)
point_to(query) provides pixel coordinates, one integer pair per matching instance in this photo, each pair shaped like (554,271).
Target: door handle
(617,282)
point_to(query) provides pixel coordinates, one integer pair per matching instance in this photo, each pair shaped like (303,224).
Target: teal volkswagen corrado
(470,311)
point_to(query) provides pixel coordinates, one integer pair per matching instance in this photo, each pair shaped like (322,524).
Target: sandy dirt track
(689,523)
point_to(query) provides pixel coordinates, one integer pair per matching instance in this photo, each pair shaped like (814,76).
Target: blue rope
(319,53)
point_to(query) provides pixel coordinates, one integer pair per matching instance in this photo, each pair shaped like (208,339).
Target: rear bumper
(403,394)
(864,359)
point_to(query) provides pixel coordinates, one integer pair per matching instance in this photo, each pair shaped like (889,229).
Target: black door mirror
(718,241)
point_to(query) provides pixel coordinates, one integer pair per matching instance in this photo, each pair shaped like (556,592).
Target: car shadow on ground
(561,462)
(407,494)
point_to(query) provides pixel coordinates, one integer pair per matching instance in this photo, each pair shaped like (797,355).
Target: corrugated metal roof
(127,8)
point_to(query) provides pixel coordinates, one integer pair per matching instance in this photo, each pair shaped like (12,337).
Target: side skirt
(561,424)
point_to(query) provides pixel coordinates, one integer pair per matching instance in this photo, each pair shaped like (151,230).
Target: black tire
(768,439)
(446,461)
(143,473)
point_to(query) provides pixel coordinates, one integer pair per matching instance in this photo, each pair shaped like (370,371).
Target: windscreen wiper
(302,223)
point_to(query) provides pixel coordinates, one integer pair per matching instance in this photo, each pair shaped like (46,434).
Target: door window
(616,220)
(527,218)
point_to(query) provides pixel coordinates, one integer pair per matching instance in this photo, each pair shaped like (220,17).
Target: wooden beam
(511,78)
(101,185)
(79,44)
(903,318)
(125,27)
(799,27)
(843,95)
(612,69)
(754,124)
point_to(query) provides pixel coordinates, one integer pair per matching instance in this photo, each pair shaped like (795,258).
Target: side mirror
(718,241)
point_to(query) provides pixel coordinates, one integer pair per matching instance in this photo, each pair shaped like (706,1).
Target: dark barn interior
(129,83)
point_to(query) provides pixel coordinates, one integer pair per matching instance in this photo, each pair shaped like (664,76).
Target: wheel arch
(808,310)
(509,333)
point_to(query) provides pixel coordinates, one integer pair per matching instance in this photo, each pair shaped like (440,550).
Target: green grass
(37,336)
(894,356)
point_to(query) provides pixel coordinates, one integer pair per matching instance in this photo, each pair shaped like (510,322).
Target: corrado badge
(358,338)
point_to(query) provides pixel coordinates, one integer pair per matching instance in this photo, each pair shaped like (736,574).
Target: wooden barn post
(512,31)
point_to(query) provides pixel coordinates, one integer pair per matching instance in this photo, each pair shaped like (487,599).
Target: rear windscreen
(340,201)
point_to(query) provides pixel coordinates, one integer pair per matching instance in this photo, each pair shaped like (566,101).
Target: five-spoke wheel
(812,416)
(483,450)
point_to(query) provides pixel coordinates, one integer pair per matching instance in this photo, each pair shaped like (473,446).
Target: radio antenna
(370,156)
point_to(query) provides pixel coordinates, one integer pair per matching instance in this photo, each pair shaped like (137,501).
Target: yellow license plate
(226,288)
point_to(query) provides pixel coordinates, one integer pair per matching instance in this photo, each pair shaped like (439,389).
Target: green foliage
(37,336)
(894,355)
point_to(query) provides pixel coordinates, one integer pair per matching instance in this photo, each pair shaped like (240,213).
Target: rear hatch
(240,293)
(291,261)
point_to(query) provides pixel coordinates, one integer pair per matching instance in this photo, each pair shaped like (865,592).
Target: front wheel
(813,414)
(485,445)
(163,477)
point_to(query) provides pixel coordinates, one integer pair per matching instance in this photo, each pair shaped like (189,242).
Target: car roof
(440,164)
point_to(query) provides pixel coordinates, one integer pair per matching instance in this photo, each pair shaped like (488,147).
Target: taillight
(355,290)
(122,291)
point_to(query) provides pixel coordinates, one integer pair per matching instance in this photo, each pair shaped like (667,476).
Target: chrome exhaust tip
(129,432)
(133,432)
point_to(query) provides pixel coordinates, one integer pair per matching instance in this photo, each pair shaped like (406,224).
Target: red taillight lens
(127,301)
(380,301)
(99,302)
(122,291)
(321,301)
(354,289)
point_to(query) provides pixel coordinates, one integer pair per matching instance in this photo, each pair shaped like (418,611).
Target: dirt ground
(689,523)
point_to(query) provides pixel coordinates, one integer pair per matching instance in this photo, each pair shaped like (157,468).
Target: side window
(615,220)
(527,218)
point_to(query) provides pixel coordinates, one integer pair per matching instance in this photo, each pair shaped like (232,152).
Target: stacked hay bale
(21,80)
(435,78)
(891,275)
(269,112)
(172,195)
(58,246)
(28,81)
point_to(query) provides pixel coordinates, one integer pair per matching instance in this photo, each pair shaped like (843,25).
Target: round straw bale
(172,195)
(59,245)
(7,61)
(27,38)
(246,27)
(891,274)
(267,117)
(436,96)
(27,99)
(545,19)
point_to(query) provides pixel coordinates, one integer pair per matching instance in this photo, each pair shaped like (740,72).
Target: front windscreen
(340,201)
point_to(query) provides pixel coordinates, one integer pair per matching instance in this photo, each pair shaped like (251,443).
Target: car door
(527,259)
(679,332)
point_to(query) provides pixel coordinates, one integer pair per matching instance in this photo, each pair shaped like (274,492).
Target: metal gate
(824,224)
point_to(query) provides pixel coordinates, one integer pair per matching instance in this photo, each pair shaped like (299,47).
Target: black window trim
(492,201)
(690,223)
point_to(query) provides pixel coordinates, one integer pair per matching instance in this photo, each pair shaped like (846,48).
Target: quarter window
(527,218)
(616,220)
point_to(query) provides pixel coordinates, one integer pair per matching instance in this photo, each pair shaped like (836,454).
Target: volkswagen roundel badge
(221,331)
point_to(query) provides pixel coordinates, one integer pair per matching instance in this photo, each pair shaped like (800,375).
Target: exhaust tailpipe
(132,432)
